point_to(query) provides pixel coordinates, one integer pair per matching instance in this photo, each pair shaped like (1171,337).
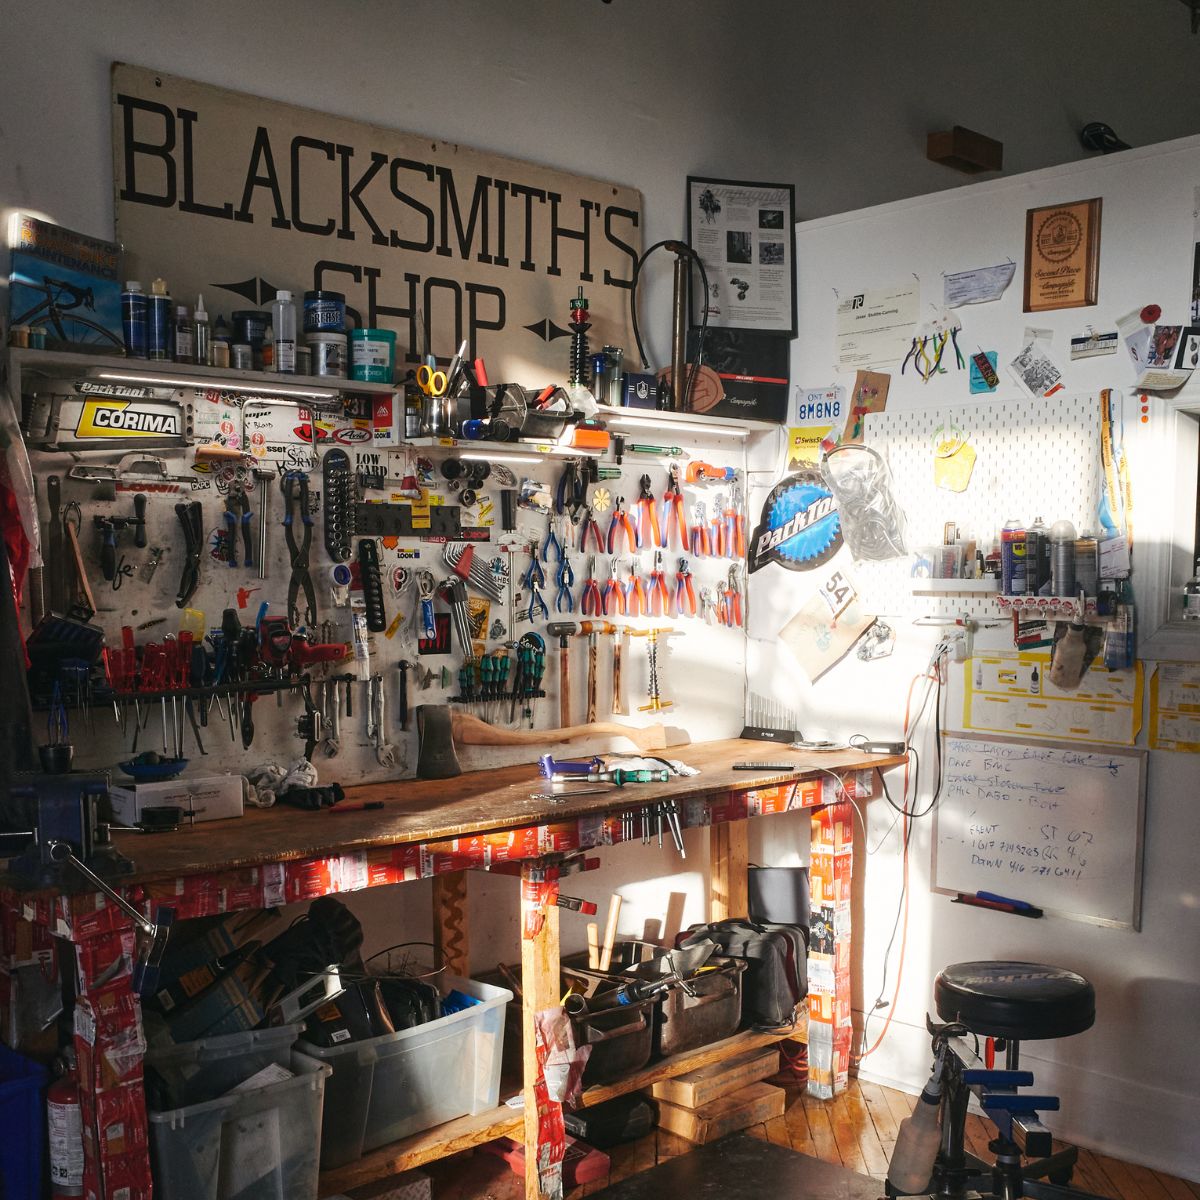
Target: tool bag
(776,977)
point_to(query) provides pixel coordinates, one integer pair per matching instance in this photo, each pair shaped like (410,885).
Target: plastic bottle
(133,319)
(283,319)
(917,1141)
(185,336)
(221,341)
(1062,559)
(1066,671)
(1191,596)
(1012,559)
(267,351)
(158,321)
(203,332)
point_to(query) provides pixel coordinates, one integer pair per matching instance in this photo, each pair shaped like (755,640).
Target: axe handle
(564,684)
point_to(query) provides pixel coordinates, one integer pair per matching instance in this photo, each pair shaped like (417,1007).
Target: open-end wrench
(330,706)
(385,754)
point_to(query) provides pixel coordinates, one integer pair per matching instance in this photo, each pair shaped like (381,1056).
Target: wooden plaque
(1062,255)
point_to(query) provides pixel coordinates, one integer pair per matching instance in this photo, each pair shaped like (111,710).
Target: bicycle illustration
(57,310)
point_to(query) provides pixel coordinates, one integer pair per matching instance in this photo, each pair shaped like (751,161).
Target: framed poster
(745,234)
(1062,255)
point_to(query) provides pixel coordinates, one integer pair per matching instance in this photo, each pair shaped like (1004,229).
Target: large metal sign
(234,196)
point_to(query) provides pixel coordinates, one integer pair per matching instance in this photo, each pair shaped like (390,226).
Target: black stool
(1009,1002)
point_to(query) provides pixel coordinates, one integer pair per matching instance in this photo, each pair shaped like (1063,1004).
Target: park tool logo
(799,526)
(106,417)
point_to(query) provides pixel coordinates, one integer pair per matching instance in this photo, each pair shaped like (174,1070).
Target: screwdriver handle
(139,512)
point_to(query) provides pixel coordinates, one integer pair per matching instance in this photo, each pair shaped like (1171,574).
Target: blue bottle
(133,319)
(160,324)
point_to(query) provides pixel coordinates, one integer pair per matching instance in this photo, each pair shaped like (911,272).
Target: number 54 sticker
(839,593)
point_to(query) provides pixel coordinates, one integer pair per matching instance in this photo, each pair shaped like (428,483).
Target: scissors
(431,382)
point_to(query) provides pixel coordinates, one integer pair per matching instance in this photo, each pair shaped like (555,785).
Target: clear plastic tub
(390,1087)
(194,1072)
(255,1145)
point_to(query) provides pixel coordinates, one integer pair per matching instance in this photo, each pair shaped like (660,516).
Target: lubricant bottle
(918,1139)
(133,319)
(1062,559)
(283,320)
(1012,559)
(203,335)
(185,336)
(158,321)
(1037,558)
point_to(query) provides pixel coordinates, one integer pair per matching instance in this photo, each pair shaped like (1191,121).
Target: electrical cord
(676,247)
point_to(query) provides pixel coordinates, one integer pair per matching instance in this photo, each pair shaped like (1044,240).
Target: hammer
(593,629)
(563,630)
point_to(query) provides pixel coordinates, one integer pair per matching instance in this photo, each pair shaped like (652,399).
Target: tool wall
(378,620)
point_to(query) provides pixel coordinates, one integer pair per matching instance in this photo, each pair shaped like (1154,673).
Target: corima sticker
(109,418)
(799,527)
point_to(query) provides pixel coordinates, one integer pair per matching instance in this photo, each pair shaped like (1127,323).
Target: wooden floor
(857,1130)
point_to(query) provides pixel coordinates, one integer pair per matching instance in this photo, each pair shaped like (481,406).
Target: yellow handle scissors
(432,383)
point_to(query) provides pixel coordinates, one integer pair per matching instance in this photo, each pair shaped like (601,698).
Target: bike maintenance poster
(234,196)
(66,283)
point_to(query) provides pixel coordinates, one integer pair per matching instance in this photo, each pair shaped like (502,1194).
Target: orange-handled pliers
(635,593)
(683,586)
(614,594)
(620,521)
(590,603)
(649,533)
(588,528)
(733,598)
(701,546)
(673,506)
(660,596)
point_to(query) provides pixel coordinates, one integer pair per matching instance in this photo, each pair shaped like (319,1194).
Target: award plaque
(1062,255)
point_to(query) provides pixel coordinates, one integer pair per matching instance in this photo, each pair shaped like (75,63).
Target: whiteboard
(1057,826)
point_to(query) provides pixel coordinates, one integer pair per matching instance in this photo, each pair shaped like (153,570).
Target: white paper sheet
(978,286)
(875,326)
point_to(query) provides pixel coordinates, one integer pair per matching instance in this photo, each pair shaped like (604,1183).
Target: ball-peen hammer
(563,630)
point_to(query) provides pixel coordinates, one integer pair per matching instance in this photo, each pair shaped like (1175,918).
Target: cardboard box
(727,1114)
(705,1084)
(203,797)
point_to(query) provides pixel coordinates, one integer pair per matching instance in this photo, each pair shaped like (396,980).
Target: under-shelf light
(671,426)
(265,389)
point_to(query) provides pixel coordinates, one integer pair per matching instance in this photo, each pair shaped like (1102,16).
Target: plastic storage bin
(389,1087)
(256,1145)
(194,1072)
(22,1109)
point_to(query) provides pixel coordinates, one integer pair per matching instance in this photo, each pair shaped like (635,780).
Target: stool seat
(1018,1000)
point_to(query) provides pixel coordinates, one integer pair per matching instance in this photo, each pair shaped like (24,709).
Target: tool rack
(441,830)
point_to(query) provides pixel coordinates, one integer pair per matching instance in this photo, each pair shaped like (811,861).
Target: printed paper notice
(815,412)
(1175,707)
(875,326)
(1010,692)
(978,286)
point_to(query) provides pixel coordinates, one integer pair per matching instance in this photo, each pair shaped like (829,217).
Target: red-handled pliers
(635,593)
(733,598)
(683,587)
(648,531)
(590,603)
(660,596)
(701,546)
(620,521)
(614,594)
(673,506)
(589,528)
(720,545)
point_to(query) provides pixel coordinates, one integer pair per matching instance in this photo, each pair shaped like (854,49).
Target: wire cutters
(588,527)
(590,604)
(535,603)
(635,593)
(566,581)
(237,511)
(535,576)
(295,492)
(648,532)
(191,518)
(614,594)
(660,597)
(701,546)
(620,521)
(673,507)
(683,587)
(553,542)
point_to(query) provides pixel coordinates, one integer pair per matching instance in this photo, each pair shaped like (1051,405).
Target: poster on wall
(234,196)
(745,234)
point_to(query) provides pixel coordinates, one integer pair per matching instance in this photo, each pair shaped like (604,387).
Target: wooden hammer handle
(618,708)
(610,932)
(592,657)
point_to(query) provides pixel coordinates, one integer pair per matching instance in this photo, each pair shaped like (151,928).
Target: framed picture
(745,234)
(1062,255)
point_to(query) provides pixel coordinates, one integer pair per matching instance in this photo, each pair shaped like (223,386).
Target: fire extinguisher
(64,1118)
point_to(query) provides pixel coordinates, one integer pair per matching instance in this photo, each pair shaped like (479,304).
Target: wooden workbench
(439,829)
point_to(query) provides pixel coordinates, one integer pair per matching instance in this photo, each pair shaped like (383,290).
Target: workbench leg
(451,944)
(729,866)
(540,981)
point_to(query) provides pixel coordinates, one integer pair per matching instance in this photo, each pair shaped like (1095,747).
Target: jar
(373,355)
(328,354)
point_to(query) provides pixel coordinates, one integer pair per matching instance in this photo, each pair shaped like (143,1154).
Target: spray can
(1037,558)
(1012,559)
(203,332)
(133,319)
(158,321)
(185,336)
(283,320)
(1087,564)
(1062,559)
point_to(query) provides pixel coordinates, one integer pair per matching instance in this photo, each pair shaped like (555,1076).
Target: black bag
(776,977)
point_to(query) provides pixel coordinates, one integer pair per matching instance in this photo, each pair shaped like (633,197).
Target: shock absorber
(579,366)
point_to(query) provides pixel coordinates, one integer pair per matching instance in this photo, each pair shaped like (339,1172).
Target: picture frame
(1062,255)
(745,234)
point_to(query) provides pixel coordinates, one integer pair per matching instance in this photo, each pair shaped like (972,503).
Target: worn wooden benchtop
(419,810)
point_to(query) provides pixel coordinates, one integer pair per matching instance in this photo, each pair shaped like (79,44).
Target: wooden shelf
(465,1133)
(439,1142)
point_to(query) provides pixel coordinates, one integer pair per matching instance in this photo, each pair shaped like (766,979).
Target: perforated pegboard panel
(1035,458)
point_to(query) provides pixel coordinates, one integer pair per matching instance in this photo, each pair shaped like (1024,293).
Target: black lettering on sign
(261,173)
(160,150)
(189,204)
(326,227)
(448,285)
(474,321)
(634,219)
(353,195)
(580,235)
(479,215)
(375,309)
(425,244)
(501,186)
(336,268)
(519,189)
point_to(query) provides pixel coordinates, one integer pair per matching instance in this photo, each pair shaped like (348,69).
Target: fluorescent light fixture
(268,389)
(670,426)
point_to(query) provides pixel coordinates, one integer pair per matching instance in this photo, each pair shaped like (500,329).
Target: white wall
(1128,1085)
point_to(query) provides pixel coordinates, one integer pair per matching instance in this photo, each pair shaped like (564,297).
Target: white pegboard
(1034,458)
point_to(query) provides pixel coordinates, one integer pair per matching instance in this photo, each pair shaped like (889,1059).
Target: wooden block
(728,1114)
(705,1084)
(965,150)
